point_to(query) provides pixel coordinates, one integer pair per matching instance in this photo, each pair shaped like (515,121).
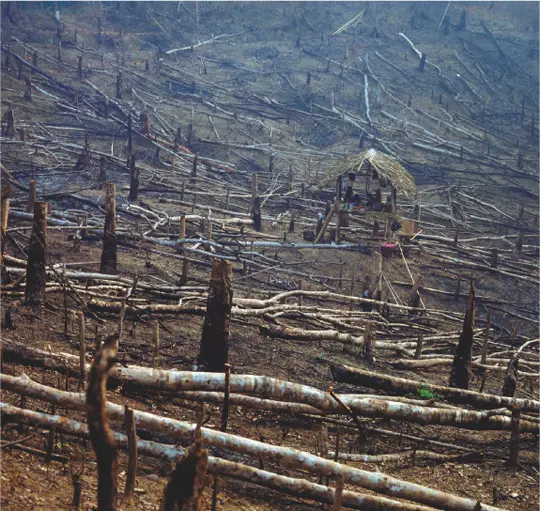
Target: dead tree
(422,64)
(119,86)
(108,255)
(130,134)
(256,214)
(100,432)
(36,275)
(102,176)
(8,124)
(134,183)
(461,367)
(31,196)
(184,489)
(511,377)
(28,90)
(214,349)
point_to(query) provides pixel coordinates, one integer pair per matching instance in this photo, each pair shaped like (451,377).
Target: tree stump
(214,348)
(36,275)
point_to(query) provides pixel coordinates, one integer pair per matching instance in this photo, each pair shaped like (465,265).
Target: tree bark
(214,350)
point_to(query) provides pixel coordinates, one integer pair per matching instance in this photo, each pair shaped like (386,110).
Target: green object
(425,393)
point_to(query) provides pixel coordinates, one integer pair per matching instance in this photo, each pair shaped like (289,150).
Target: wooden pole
(108,255)
(36,275)
(214,347)
(131,433)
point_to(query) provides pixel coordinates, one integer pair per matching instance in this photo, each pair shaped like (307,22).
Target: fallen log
(402,386)
(286,456)
(329,335)
(266,387)
(284,484)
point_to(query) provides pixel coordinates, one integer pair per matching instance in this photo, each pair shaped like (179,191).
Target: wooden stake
(36,275)
(131,433)
(108,255)
(214,347)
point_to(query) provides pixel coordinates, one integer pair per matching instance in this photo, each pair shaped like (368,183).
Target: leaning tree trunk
(461,368)
(36,275)
(108,255)
(214,350)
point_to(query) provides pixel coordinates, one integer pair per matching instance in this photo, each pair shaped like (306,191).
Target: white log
(284,484)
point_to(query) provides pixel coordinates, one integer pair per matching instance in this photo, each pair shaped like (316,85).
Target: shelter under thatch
(387,167)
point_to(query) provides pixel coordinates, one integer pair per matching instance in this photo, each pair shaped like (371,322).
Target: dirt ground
(28,480)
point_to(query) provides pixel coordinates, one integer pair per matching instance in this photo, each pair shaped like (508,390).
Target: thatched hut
(376,170)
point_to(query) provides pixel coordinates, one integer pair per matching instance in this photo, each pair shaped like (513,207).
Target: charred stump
(256,214)
(214,350)
(461,367)
(36,275)
(134,182)
(184,489)
(108,255)
(8,124)
(511,377)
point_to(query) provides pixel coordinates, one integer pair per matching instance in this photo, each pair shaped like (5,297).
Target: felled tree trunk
(461,368)
(402,386)
(285,456)
(108,255)
(36,275)
(284,484)
(214,350)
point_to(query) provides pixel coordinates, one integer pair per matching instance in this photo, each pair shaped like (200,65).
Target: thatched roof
(386,166)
